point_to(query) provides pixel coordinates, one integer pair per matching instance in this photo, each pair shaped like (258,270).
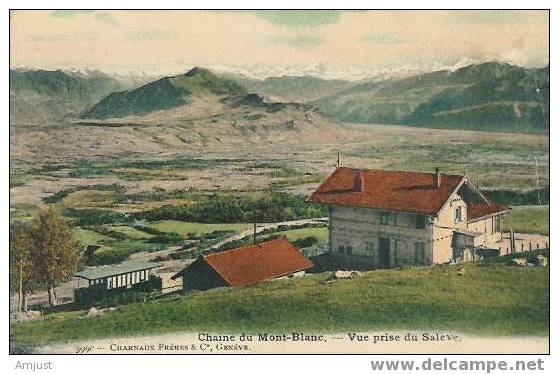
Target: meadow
(491,299)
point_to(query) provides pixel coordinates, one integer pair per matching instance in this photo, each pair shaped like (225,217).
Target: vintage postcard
(279,181)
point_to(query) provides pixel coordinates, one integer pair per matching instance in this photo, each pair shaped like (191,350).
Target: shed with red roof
(245,266)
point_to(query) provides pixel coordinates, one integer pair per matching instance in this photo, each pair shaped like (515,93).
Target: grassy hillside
(491,299)
(490,97)
(530,219)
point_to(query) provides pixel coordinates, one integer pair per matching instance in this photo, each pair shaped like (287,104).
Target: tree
(55,252)
(23,272)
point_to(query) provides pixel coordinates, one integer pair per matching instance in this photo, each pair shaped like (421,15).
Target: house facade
(383,219)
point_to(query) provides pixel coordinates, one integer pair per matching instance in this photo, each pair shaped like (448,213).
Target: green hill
(490,299)
(164,93)
(43,95)
(61,83)
(491,96)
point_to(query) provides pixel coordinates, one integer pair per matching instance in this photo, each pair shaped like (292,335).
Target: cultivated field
(118,195)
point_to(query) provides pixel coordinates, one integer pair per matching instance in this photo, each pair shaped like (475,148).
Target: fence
(522,243)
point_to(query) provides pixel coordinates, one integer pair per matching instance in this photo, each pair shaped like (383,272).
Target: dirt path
(270,226)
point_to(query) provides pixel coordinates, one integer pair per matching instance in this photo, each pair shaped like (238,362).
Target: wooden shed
(245,266)
(106,280)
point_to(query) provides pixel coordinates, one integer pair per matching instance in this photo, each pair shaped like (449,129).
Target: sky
(331,44)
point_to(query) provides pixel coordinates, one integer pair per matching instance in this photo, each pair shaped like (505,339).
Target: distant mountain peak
(166,93)
(197,70)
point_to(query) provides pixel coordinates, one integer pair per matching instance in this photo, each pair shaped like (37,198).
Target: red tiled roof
(391,190)
(478,210)
(258,262)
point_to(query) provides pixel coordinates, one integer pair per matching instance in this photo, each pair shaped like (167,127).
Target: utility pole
(538,91)
(254,229)
(338,163)
(20,298)
(537,181)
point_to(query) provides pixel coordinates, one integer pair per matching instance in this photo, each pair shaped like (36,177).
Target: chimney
(437,178)
(359,183)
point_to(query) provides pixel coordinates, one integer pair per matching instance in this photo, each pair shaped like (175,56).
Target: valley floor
(46,160)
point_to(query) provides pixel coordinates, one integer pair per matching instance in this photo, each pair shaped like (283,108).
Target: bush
(308,241)
(107,257)
(122,299)
(182,255)
(189,245)
(167,238)
(60,195)
(84,217)
(193,236)
(107,232)
(149,229)
(273,207)
(217,234)
(512,197)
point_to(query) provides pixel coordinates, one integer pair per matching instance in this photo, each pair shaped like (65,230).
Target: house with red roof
(245,266)
(383,219)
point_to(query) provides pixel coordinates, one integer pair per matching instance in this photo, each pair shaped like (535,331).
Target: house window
(398,250)
(348,250)
(420,221)
(384,218)
(341,249)
(370,244)
(497,224)
(110,282)
(458,214)
(419,253)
